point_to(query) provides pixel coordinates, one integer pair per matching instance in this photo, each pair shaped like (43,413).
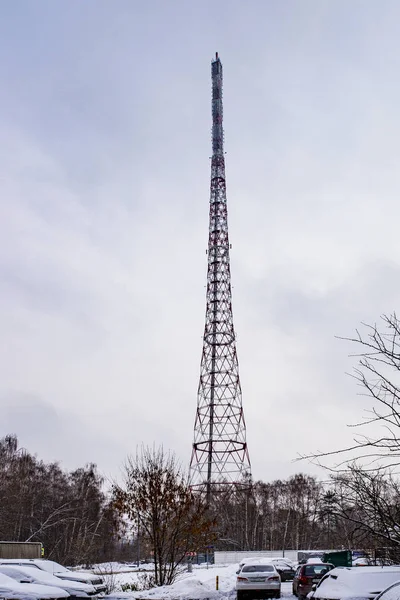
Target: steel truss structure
(220,455)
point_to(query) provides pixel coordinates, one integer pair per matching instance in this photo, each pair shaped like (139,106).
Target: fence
(234,556)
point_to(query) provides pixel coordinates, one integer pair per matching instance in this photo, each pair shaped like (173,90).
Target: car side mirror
(237,572)
(25,581)
(314,587)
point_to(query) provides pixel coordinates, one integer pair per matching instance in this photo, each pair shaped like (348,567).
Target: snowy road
(198,585)
(286,590)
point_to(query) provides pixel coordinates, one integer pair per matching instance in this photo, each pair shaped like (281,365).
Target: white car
(32,575)
(13,590)
(343,583)
(258,580)
(362,561)
(59,571)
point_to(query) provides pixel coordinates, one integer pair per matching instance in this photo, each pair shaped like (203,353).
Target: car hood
(31,590)
(88,578)
(70,584)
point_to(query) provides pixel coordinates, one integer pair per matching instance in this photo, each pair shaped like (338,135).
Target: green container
(339,559)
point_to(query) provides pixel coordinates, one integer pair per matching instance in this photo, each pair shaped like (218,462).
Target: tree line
(68,512)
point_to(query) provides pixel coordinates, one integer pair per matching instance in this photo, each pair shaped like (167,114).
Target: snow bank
(199,584)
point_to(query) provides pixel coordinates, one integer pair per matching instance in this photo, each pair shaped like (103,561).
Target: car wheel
(240,596)
(278,595)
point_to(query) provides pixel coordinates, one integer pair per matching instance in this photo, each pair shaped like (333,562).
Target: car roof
(362,571)
(260,564)
(282,558)
(317,564)
(252,559)
(17,561)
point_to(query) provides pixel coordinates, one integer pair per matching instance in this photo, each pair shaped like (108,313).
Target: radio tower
(220,456)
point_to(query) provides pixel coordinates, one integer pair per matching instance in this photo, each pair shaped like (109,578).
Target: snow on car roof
(282,558)
(355,572)
(252,561)
(315,560)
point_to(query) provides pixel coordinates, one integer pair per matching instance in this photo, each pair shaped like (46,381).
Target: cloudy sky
(104,187)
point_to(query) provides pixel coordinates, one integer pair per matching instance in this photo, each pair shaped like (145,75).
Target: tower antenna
(220,455)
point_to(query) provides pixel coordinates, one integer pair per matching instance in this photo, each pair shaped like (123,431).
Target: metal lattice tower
(220,455)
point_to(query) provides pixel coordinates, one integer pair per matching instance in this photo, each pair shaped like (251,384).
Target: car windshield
(392,593)
(43,576)
(257,569)
(6,580)
(14,573)
(52,567)
(311,570)
(24,572)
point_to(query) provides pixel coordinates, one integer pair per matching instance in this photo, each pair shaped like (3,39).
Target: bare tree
(378,375)
(156,495)
(370,501)
(365,480)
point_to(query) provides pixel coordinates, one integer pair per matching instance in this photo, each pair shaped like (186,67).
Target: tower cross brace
(220,455)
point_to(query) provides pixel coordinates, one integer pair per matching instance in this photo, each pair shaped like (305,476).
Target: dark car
(308,574)
(286,571)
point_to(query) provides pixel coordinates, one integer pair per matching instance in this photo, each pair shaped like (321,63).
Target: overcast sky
(105,124)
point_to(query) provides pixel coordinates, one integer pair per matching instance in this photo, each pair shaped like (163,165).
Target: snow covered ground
(200,584)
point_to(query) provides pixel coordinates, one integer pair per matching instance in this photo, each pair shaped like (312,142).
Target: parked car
(362,561)
(352,582)
(284,567)
(249,560)
(359,558)
(307,575)
(304,555)
(32,575)
(59,571)
(13,590)
(258,580)
(390,593)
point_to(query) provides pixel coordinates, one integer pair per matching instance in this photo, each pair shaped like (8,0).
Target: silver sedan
(260,580)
